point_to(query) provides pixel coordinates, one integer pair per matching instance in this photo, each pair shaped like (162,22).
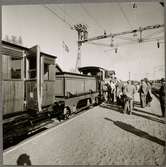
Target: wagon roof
(87,68)
(23,48)
(72,74)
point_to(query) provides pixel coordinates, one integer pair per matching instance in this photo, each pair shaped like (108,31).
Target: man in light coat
(129,91)
(143,92)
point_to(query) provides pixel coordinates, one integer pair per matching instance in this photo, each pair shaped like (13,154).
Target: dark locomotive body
(76,90)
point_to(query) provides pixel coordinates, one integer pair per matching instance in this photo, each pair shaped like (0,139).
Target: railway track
(43,125)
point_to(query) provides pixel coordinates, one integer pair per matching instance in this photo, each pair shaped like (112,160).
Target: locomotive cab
(40,79)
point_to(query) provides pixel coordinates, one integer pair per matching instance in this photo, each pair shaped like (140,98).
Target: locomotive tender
(34,87)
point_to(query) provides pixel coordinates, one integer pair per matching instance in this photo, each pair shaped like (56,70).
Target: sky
(37,25)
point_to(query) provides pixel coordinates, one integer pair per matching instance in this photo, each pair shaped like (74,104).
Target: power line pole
(82,36)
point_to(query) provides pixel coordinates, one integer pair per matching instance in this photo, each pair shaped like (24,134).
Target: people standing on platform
(129,91)
(118,92)
(149,93)
(112,94)
(105,91)
(115,83)
(162,96)
(143,92)
(109,91)
(135,90)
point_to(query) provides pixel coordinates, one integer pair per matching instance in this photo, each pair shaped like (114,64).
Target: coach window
(49,71)
(49,68)
(32,67)
(11,67)
(46,71)
(16,68)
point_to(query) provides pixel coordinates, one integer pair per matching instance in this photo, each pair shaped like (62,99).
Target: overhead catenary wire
(121,44)
(89,15)
(58,16)
(126,38)
(154,33)
(124,44)
(66,13)
(125,16)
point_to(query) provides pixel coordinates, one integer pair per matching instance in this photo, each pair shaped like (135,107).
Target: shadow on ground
(149,118)
(137,104)
(142,111)
(136,131)
(119,109)
(114,107)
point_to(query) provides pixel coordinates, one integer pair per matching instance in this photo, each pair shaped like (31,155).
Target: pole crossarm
(140,29)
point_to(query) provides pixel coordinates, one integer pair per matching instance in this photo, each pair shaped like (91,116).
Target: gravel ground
(100,136)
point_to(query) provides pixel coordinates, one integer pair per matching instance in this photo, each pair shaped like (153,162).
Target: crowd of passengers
(116,91)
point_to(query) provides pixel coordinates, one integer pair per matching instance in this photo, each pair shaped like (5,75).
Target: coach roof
(23,48)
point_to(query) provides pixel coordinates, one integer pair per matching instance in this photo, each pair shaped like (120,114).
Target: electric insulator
(105,33)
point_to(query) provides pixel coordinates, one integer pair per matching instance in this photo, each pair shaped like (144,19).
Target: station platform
(103,135)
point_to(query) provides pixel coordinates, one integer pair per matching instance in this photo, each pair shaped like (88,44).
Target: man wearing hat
(162,96)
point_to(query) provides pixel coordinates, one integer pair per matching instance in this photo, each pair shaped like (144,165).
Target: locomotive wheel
(67,113)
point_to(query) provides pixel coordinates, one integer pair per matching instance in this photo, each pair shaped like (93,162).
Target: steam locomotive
(35,88)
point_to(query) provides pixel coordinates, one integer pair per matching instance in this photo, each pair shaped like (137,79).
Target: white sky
(37,25)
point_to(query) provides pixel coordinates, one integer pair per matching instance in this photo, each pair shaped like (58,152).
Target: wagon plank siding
(13,96)
(48,93)
(31,95)
(59,88)
(74,84)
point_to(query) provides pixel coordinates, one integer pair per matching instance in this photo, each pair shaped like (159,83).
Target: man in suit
(149,93)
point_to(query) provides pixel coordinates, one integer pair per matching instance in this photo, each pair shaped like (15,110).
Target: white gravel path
(100,136)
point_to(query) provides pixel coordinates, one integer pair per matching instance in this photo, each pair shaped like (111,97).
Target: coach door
(33,79)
